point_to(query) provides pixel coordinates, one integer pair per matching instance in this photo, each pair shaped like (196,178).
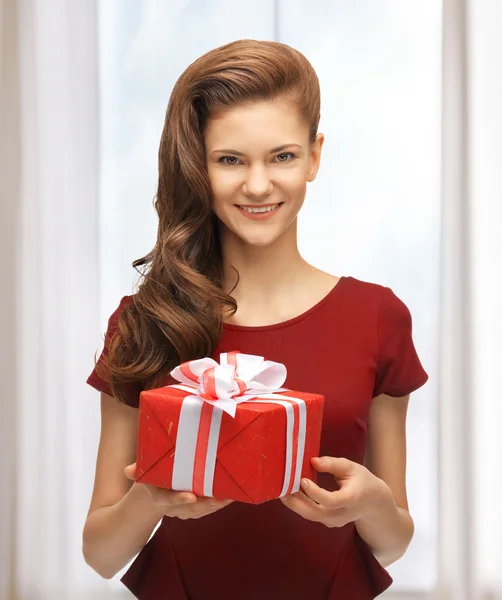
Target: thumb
(130,471)
(339,467)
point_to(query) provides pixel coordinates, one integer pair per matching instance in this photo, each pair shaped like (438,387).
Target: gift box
(228,430)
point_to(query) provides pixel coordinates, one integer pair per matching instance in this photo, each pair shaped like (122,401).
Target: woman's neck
(258,279)
(253,273)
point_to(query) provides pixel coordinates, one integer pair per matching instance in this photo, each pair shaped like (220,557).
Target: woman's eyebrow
(236,152)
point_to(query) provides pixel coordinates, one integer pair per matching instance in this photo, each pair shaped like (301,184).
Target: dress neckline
(334,290)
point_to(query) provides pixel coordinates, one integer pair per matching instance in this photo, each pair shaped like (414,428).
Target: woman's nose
(258,182)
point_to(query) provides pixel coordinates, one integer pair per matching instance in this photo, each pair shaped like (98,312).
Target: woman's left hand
(361,493)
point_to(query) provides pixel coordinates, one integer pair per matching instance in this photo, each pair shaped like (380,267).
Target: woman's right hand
(183,505)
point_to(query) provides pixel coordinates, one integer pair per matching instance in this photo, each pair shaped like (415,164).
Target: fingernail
(305,483)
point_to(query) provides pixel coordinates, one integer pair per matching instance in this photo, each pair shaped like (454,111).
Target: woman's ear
(315,157)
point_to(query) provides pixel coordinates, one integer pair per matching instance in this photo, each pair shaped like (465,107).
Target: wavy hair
(178,311)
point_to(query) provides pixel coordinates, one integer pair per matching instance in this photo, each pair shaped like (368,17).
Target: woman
(239,145)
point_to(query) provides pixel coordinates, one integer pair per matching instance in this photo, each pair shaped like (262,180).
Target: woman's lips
(259,216)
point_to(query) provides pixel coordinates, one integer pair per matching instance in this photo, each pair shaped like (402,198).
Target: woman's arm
(122,514)
(113,535)
(389,530)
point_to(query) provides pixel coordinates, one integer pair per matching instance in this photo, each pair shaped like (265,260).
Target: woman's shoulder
(366,284)
(125,301)
(112,319)
(381,298)
(365,290)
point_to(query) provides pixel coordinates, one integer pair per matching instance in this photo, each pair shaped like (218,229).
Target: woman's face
(258,155)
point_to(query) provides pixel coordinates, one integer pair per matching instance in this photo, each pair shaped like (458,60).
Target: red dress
(356,343)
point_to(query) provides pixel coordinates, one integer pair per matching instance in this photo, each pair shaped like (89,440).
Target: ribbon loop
(238,378)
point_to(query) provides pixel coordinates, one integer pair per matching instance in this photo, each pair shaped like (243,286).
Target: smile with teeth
(260,210)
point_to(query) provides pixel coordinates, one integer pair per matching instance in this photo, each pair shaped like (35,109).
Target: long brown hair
(178,311)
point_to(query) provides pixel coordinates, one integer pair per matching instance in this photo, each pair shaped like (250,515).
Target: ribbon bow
(237,378)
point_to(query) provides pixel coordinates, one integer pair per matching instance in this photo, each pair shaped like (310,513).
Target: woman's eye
(229,160)
(223,158)
(286,154)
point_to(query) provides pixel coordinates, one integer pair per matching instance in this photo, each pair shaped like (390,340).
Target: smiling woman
(239,146)
(267,186)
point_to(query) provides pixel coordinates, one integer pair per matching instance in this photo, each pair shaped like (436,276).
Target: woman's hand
(360,493)
(183,505)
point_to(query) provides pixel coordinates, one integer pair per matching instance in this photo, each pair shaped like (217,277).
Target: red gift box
(232,433)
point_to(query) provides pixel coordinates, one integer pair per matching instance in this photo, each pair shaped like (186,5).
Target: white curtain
(52,289)
(50,295)
(470,407)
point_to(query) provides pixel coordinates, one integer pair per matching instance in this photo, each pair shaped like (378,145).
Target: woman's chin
(260,240)
(249,237)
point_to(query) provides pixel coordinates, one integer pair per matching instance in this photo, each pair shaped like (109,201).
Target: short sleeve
(131,390)
(399,370)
